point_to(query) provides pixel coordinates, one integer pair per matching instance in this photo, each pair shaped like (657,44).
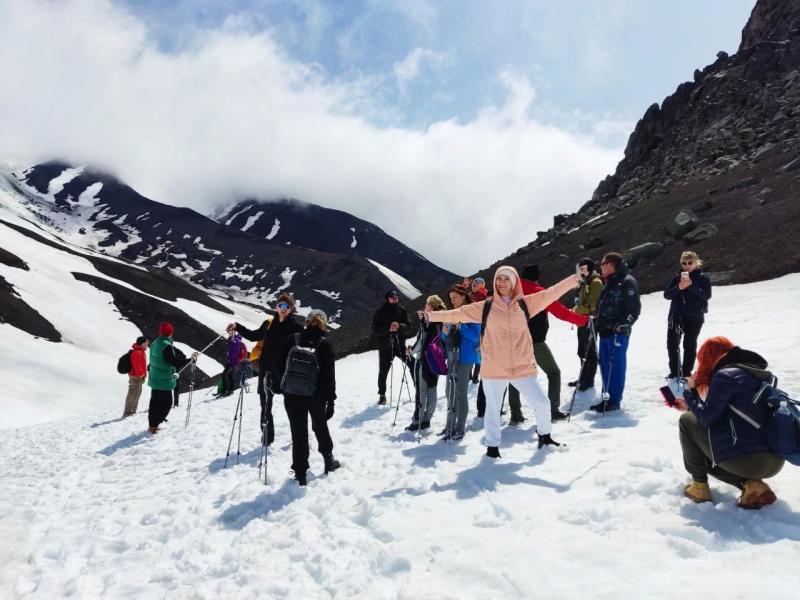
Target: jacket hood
(517,293)
(136,346)
(750,361)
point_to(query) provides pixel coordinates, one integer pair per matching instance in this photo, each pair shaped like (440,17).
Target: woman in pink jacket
(507,348)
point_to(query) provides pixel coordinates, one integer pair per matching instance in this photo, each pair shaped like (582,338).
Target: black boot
(301,479)
(573,383)
(382,399)
(546,440)
(331,464)
(557,415)
(492,451)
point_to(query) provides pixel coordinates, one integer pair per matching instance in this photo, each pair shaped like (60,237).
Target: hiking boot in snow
(604,407)
(698,491)
(557,415)
(546,440)
(152,430)
(331,464)
(413,427)
(446,436)
(381,399)
(425,425)
(458,435)
(519,420)
(583,388)
(756,494)
(573,383)
(492,452)
(301,479)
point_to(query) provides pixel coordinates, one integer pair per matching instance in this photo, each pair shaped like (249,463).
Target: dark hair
(461,290)
(142,339)
(286,297)
(587,262)
(615,258)
(530,272)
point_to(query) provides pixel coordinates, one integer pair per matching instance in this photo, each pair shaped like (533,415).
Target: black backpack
(487,306)
(302,370)
(124,364)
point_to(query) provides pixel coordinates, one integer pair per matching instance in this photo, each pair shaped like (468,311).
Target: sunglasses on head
(283,305)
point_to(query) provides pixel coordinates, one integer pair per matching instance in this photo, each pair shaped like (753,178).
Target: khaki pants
(134,391)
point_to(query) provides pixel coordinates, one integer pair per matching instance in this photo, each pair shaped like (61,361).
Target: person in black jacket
(320,406)
(390,327)
(273,332)
(688,293)
(617,310)
(717,431)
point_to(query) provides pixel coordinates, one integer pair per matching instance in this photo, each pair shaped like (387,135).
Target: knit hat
(390,293)
(530,272)
(317,315)
(510,274)
(166,329)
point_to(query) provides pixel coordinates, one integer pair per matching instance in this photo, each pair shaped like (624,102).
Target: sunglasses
(687,262)
(283,305)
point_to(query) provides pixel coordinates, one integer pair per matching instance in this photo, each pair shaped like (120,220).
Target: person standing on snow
(232,361)
(425,380)
(390,327)
(461,341)
(272,333)
(507,348)
(539,325)
(588,296)
(716,428)
(688,293)
(617,310)
(165,361)
(320,406)
(136,375)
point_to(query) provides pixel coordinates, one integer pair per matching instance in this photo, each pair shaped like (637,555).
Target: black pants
(385,357)
(297,409)
(160,405)
(266,409)
(690,331)
(476,371)
(587,351)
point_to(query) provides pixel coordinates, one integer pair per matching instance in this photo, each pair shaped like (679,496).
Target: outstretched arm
(469,313)
(541,300)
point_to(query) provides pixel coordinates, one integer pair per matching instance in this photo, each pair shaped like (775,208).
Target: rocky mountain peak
(771,20)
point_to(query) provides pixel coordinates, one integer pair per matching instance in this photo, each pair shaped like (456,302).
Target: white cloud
(408,69)
(233,115)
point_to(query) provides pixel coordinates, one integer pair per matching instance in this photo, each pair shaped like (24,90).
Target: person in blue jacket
(688,293)
(717,431)
(461,341)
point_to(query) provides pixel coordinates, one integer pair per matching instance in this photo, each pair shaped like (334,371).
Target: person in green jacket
(165,360)
(588,294)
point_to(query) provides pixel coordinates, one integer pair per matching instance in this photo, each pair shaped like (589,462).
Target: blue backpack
(780,423)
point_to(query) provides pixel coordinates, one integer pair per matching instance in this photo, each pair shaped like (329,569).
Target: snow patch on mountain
(57,184)
(252,219)
(403,285)
(275,228)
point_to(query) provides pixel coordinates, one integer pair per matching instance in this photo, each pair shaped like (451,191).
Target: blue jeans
(613,363)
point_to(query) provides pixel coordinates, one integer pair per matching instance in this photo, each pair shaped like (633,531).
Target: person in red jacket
(136,375)
(538,326)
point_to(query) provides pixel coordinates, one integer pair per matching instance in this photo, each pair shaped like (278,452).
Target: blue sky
(481,119)
(596,66)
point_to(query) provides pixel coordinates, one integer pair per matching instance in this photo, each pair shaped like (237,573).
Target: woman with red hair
(716,431)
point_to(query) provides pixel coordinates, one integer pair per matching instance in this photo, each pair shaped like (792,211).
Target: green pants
(545,362)
(736,471)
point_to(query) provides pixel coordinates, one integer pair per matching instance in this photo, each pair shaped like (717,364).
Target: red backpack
(242,352)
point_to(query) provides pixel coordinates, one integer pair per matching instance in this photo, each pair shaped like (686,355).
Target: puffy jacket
(589,294)
(468,337)
(165,359)
(234,350)
(619,303)
(138,362)
(326,381)
(507,348)
(538,325)
(736,380)
(385,316)
(692,303)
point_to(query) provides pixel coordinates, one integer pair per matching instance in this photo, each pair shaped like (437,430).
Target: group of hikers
(498,341)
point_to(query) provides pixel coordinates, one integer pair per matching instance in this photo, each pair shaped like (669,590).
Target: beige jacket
(507,348)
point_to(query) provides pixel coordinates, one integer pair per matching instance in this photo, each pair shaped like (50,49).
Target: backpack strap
(524,308)
(487,306)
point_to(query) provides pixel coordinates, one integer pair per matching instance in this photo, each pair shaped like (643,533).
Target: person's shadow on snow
(368,414)
(427,455)
(727,523)
(250,458)
(237,516)
(127,442)
(612,420)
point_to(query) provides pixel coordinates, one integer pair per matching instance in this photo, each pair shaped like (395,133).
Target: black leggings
(690,330)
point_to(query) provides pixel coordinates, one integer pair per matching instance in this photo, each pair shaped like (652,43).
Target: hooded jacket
(138,361)
(506,347)
(589,294)
(736,380)
(619,303)
(690,304)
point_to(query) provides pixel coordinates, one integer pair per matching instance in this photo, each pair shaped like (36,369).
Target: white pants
(529,388)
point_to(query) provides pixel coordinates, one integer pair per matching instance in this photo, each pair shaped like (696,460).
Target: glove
(624,329)
(328,411)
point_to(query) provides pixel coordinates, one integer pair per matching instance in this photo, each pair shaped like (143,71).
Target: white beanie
(510,274)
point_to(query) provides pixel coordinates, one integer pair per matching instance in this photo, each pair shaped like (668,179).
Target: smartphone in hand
(669,397)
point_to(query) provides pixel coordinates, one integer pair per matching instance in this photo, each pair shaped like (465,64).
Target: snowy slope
(93,508)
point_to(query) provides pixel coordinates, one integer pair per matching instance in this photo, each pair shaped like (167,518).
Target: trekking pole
(592,340)
(403,380)
(264,458)
(452,374)
(606,396)
(237,415)
(679,333)
(191,390)
(221,335)
(391,367)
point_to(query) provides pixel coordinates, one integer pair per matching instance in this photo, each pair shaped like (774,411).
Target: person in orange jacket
(136,375)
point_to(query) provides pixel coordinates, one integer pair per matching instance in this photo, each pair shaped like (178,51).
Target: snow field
(97,509)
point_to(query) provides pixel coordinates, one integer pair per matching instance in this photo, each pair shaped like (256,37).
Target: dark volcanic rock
(637,254)
(704,232)
(16,312)
(683,222)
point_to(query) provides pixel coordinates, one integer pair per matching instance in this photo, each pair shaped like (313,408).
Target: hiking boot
(604,407)
(152,430)
(583,388)
(458,435)
(519,420)
(301,479)
(425,425)
(446,436)
(381,399)
(698,491)
(557,415)
(331,464)
(546,440)
(492,451)
(756,494)
(413,427)
(573,383)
